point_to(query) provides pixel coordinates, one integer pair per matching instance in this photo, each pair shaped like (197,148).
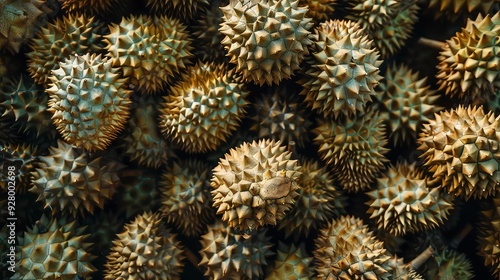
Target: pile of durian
(246,139)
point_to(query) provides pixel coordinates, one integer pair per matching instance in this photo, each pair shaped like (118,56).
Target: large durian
(202,110)
(89,101)
(145,250)
(402,201)
(292,262)
(469,64)
(149,50)
(343,70)
(68,180)
(267,40)
(460,147)
(226,254)
(255,184)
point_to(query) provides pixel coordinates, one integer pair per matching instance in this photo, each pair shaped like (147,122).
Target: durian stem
(460,236)
(431,43)
(422,258)
(193,259)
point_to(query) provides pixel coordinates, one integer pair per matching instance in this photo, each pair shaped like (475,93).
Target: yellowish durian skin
(292,262)
(319,10)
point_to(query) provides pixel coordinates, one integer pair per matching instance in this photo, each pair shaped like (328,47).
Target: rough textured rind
(255,184)
(202,110)
(402,201)
(373,14)
(228,255)
(319,10)
(453,9)
(184,9)
(208,47)
(94,7)
(450,265)
(266,40)
(489,235)
(22,158)
(292,262)
(460,147)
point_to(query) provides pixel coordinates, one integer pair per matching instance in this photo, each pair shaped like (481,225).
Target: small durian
(145,250)
(343,70)
(460,149)
(255,184)
(149,50)
(488,235)
(89,101)
(354,147)
(73,34)
(450,265)
(402,201)
(267,40)
(68,180)
(186,200)
(292,262)
(373,14)
(202,110)
(319,10)
(469,63)
(226,254)
(183,9)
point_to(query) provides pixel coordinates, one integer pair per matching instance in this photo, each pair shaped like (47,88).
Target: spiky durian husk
(22,157)
(184,9)
(406,102)
(103,227)
(319,10)
(373,14)
(403,203)
(149,50)
(255,184)
(292,262)
(19,22)
(205,108)
(354,148)
(66,180)
(94,7)
(469,64)
(460,148)
(450,265)
(89,101)
(266,40)
(208,46)
(319,201)
(229,255)
(26,103)
(279,116)
(345,249)
(186,201)
(144,250)
(453,9)
(343,70)
(73,34)
(402,271)
(57,250)
(489,234)
(143,142)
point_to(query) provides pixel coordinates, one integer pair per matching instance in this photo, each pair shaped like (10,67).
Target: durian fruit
(452,9)
(373,14)
(93,7)
(319,10)
(73,34)
(292,262)
(255,184)
(226,254)
(489,235)
(202,110)
(267,40)
(343,70)
(346,249)
(89,101)
(406,103)
(208,47)
(460,148)
(58,250)
(319,201)
(402,201)
(354,147)
(450,265)
(149,50)
(26,103)
(186,200)
(402,271)
(144,250)
(20,20)
(183,9)
(279,116)
(68,180)
(143,141)
(23,157)
(103,227)
(469,64)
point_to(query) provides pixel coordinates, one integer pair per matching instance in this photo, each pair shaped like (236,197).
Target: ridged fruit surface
(149,50)
(489,235)
(292,262)
(343,70)
(202,110)
(354,148)
(206,30)
(373,14)
(450,265)
(469,64)
(89,101)
(267,40)
(460,147)
(23,158)
(402,201)
(184,9)
(345,249)
(229,255)
(255,184)
(319,10)
(67,180)
(144,250)
(452,9)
